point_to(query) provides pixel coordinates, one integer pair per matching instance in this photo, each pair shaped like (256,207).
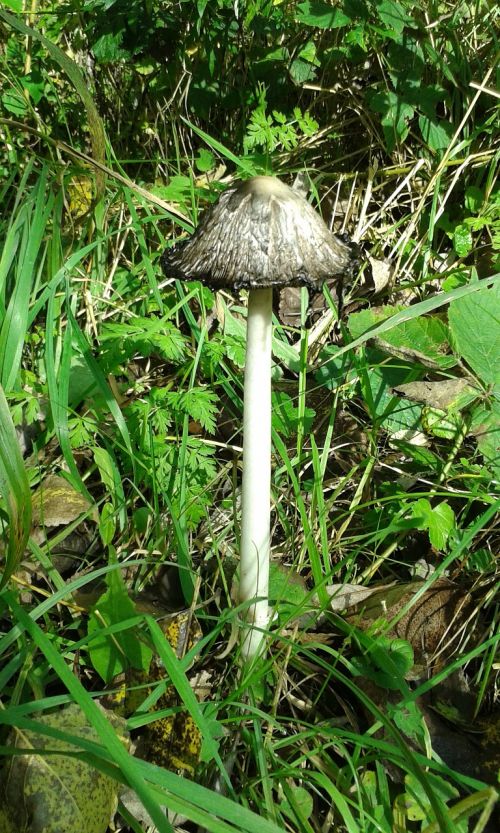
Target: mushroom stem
(256,485)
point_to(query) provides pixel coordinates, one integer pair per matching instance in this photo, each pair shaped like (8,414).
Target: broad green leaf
(394,15)
(475,327)
(435,132)
(417,800)
(474,198)
(107,524)
(385,661)
(439,521)
(444,424)
(485,425)
(34,83)
(408,719)
(322,15)
(287,589)
(425,336)
(396,114)
(298,802)
(113,654)
(15,103)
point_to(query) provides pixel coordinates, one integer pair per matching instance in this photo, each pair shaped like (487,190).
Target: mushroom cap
(260,233)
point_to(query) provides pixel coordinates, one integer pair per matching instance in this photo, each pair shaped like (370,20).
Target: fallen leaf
(54,793)
(57,503)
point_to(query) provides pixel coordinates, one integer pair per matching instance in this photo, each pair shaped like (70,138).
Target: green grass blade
(35,214)
(15,491)
(95,716)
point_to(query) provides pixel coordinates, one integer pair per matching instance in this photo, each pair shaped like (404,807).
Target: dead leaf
(344,596)
(57,503)
(448,393)
(436,616)
(52,793)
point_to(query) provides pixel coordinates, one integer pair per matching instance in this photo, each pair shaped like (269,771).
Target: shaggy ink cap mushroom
(260,233)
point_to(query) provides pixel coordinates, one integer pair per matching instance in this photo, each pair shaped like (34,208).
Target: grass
(130,388)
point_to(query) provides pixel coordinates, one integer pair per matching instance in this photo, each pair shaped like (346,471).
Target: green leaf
(462,239)
(34,83)
(302,71)
(396,113)
(408,718)
(205,161)
(113,654)
(286,415)
(439,521)
(107,523)
(417,804)
(15,103)
(287,589)
(74,74)
(385,661)
(108,48)
(485,425)
(394,16)
(425,335)
(435,132)
(475,327)
(474,198)
(15,491)
(322,15)
(298,802)
(15,5)
(444,424)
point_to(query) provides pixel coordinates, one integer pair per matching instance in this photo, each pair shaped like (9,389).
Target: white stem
(256,485)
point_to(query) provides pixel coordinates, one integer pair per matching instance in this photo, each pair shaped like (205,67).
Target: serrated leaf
(426,336)
(15,103)
(394,15)
(485,425)
(408,718)
(435,132)
(475,325)
(386,661)
(302,71)
(439,521)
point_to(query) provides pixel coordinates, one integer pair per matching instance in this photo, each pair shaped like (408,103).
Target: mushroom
(260,234)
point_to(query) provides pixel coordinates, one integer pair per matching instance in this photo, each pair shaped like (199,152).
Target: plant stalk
(256,485)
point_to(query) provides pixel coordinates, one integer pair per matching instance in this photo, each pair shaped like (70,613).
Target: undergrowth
(121,404)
